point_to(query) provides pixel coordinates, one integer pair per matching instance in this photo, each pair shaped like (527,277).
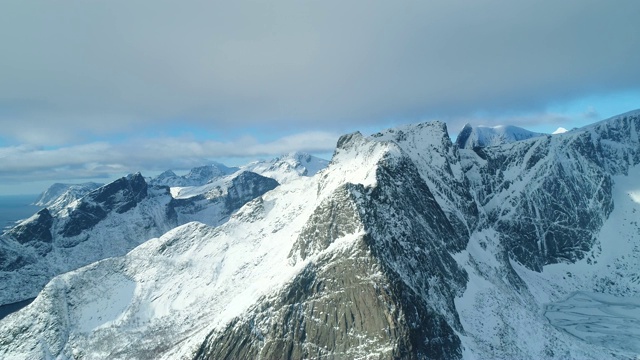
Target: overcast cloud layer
(74,71)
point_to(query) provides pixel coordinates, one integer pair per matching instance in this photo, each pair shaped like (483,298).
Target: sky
(93,90)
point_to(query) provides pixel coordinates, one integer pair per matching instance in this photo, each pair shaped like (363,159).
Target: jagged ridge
(369,258)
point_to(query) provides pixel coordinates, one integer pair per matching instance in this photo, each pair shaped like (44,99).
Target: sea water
(14,208)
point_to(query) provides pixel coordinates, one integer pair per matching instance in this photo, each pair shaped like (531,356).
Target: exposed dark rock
(245,187)
(120,196)
(35,230)
(337,216)
(463,136)
(349,140)
(343,307)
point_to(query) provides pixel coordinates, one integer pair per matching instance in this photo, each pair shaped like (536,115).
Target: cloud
(545,121)
(526,120)
(74,69)
(104,160)
(591,113)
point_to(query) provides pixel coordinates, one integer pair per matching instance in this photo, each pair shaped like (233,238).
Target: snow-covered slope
(482,136)
(108,222)
(405,246)
(213,203)
(288,167)
(58,196)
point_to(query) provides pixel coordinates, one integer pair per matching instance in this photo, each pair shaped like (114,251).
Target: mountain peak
(58,195)
(288,167)
(483,136)
(348,140)
(406,246)
(559,130)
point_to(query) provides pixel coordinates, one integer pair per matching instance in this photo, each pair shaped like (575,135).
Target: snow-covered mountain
(213,203)
(482,136)
(283,169)
(406,246)
(107,222)
(58,195)
(74,230)
(197,176)
(288,167)
(559,130)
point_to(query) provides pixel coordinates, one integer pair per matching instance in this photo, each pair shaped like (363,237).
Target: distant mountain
(196,177)
(559,130)
(482,136)
(288,167)
(405,247)
(214,202)
(283,169)
(58,195)
(83,223)
(106,222)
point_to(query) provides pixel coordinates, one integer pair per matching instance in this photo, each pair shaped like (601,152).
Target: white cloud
(102,159)
(76,68)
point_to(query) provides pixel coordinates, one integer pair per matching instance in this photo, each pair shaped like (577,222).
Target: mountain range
(406,245)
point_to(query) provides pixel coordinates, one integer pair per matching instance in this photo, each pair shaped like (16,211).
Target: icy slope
(482,136)
(503,310)
(549,196)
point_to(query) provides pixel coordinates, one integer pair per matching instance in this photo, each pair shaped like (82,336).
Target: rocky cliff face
(388,294)
(548,197)
(405,247)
